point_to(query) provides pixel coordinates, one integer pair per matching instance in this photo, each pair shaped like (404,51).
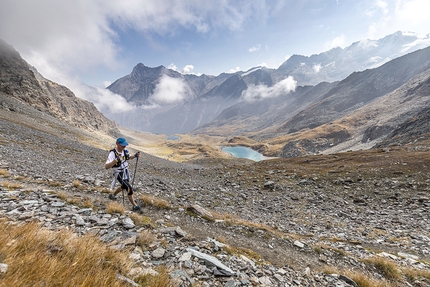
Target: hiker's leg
(118,190)
(124,184)
(131,198)
(130,195)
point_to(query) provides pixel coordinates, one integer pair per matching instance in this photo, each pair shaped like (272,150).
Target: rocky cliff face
(24,83)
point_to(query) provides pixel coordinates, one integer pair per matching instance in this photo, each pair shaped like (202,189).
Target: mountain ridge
(330,66)
(24,83)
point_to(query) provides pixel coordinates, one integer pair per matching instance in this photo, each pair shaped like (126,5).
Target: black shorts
(125,184)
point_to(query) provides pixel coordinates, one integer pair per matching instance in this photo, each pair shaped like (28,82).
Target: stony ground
(288,221)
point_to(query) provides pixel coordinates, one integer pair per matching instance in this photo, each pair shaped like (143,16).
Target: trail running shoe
(136,208)
(113,197)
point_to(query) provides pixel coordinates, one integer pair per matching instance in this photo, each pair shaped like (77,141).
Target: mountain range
(338,100)
(278,112)
(341,219)
(192,101)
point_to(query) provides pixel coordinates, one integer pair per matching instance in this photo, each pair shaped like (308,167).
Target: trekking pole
(134,175)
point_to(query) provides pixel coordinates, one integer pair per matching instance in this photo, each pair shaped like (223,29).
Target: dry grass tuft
(115,207)
(76,183)
(156,202)
(74,200)
(386,267)
(12,185)
(39,257)
(233,220)
(160,280)
(243,251)
(414,274)
(140,220)
(87,203)
(62,195)
(104,190)
(362,280)
(55,183)
(4,172)
(145,239)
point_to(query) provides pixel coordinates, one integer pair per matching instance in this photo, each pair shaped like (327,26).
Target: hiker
(117,160)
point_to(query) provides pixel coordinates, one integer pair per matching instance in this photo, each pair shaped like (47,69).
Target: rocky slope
(359,89)
(328,220)
(24,83)
(368,125)
(309,221)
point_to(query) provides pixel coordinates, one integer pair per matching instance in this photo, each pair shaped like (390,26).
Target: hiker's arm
(110,164)
(112,160)
(135,155)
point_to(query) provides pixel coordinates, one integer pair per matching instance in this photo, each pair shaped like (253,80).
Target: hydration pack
(124,158)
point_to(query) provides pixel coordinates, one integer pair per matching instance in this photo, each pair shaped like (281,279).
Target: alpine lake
(243,152)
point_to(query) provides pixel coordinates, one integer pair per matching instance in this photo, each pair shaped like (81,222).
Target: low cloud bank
(103,99)
(260,92)
(170,90)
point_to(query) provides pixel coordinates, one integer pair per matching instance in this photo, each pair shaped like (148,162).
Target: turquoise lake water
(172,138)
(243,152)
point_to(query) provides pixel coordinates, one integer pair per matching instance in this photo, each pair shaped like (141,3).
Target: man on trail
(117,160)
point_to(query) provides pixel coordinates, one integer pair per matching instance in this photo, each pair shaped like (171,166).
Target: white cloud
(106,84)
(259,92)
(188,69)
(254,48)
(172,67)
(234,70)
(338,41)
(64,35)
(399,15)
(169,90)
(78,37)
(376,7)
(102,98)
(413,12)
(263,65)
(317,68)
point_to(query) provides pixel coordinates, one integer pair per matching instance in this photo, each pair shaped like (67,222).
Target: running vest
(125,157)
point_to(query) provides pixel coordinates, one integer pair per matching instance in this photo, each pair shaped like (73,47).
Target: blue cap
(122,141)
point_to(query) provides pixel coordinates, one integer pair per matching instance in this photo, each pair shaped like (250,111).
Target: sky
(84,43)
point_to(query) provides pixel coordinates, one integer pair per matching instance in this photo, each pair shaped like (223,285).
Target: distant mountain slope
(19,81)
(140,85)
(414,130)
(262,118)
(399,117)
(417,127)
(358,89)
(200,111)
(202,98)
(336,64)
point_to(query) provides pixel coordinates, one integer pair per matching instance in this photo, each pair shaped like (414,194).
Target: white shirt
(111,157)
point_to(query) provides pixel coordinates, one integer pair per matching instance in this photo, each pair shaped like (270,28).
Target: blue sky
(95,42)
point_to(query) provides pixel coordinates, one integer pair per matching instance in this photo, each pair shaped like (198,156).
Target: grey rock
(158,253)
(210,259)
(128,223)
(79,220)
